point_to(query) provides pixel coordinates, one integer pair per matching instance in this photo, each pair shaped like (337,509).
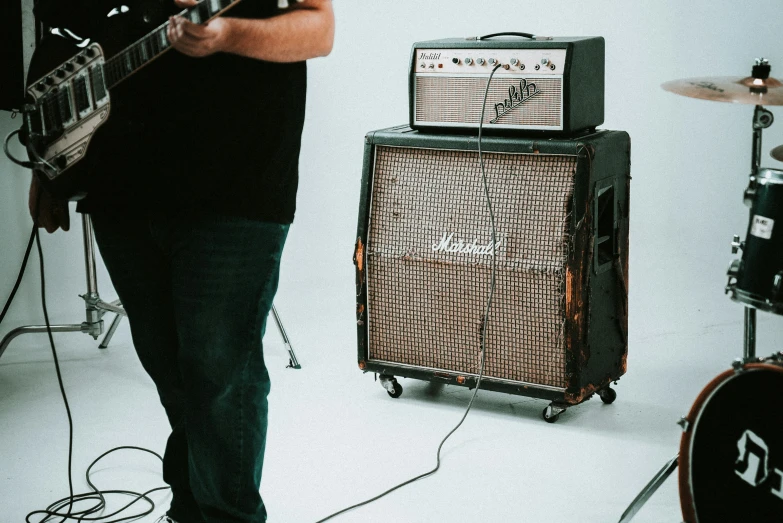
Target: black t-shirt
(215,134)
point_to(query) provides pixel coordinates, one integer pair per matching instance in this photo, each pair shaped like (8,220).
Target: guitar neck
(154,44)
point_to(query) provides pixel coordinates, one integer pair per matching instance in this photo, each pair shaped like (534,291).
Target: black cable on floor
(484,327)
(64,508)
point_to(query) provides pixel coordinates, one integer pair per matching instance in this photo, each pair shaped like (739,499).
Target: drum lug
(684,423)
(777,285)
(736,244)
(750,192)
(738,365)
(733,274)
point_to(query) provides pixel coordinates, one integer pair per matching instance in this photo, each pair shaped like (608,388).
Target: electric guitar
(71,101)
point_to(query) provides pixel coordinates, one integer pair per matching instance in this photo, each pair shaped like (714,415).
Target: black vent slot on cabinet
(604,227)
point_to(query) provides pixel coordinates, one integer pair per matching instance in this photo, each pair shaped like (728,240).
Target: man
(191,192)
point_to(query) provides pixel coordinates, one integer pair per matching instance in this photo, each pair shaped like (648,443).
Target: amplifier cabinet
(545,84)
(557,329)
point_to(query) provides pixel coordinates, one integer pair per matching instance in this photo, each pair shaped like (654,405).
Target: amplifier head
(552,84)
(424,255)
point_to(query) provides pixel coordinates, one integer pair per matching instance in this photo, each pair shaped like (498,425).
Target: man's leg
(141,274)
(224,277)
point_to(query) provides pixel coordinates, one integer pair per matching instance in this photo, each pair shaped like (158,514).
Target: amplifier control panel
(483,61)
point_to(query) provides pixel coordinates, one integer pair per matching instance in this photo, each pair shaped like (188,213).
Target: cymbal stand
(96,308)
(762,119)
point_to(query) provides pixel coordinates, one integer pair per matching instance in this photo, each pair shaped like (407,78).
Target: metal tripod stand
(96,308)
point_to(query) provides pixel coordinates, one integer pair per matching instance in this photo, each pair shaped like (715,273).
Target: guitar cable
(64,508)
(484,327)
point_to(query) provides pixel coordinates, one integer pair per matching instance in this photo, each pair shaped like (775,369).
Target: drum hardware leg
(391,385)
(750,333)
(552,412)
(293,363)
(650,489)
(762,119)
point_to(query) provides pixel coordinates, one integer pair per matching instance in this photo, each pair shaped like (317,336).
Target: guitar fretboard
(137,55)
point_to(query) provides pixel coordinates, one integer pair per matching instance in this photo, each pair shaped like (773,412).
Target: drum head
(731,466)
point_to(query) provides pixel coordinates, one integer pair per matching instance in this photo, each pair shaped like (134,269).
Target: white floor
(337,438)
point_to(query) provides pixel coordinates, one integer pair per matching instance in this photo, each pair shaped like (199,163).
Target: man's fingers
(185,3)
(183,28)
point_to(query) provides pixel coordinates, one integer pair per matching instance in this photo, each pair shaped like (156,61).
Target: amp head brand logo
(429,56)
(753,466)
(451,243)
(516,97)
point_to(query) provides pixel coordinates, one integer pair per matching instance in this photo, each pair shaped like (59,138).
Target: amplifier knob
(492,61)
(423,66)
(40,87)
(468,61)
(81,60)
(49,80)
(455,61)
(514,62)
(68,67)
(60,73)
(432,66)
(480,61)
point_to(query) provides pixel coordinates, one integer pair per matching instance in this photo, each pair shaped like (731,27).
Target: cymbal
(777,153)
(734,89)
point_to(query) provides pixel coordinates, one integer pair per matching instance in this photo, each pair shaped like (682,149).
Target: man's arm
(305,30)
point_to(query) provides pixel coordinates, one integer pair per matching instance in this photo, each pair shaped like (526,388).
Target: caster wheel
(608,395)
(548,417)
(397,392)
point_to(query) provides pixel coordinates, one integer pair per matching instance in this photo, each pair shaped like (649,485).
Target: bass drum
(731,453)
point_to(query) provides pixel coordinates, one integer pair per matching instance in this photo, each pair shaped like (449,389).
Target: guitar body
(69,103)
(60,138)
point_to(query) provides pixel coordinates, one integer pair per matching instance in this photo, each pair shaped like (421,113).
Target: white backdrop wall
(690,158)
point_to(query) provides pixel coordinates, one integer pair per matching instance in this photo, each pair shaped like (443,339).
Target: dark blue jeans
(197,290)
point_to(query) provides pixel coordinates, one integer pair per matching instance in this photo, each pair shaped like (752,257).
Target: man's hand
(197,40)
(305,30)
(53,212)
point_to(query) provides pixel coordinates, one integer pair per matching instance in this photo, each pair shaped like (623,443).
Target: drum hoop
(686,491)
(770,176)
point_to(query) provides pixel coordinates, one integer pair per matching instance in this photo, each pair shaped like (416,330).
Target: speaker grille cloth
(458,100)
(425,306)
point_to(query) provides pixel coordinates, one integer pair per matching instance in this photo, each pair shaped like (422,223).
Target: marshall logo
(516,97)
(449,244)
(429,56)
(753,465)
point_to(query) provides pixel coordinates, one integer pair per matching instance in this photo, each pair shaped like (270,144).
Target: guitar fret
(145,51)
(203,11)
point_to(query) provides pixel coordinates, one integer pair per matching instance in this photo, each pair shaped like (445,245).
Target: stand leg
(650,489)
(32,329)
(750,333)
(112,329)
(292,361)
(95,307)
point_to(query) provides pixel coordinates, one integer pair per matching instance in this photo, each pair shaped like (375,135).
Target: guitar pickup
(83,95)
(99,85)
